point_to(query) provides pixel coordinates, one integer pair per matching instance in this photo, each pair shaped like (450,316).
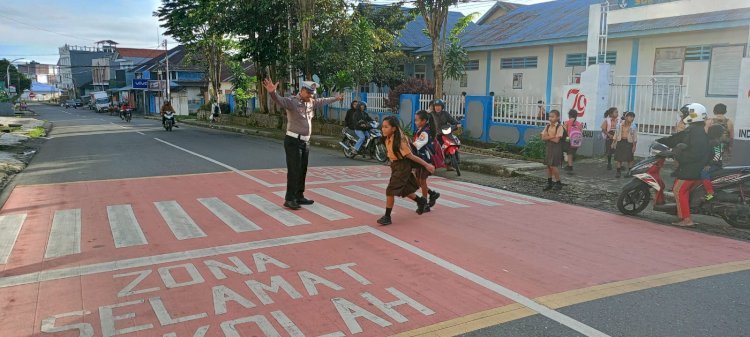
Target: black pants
(297,153)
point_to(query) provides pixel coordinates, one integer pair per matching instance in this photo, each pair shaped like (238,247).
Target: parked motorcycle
(731,200)
(373,145)
(450,146)
(168,120)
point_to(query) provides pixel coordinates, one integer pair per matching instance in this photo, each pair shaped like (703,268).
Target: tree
(435,14)
(387,23)
(200,26)
(455,55)
(16,79)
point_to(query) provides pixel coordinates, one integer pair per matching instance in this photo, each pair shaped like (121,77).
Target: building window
(698,53)
(420,71)
(578,59)
(464,81)
(724,71)
(471,65)
(518,62)
(610,57)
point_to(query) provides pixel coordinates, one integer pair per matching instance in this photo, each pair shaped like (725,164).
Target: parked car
(71,103)
(78,102)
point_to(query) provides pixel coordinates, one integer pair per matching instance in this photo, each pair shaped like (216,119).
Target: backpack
(725,136)
(575,134)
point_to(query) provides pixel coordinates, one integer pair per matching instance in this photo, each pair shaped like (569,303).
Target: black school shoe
(385,220)
(433,198)
(421,204)
(292,204)
(305,201)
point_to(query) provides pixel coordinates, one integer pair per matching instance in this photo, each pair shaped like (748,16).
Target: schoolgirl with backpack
(573,137)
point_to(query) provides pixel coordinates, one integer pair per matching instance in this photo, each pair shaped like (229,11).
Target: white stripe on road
(381,196)
(459,196)
(126,231)
(497,190)
(354,203)
(440,202)
(503,291)
(10,226)
(259,181)
(183,227)
(275,211)
(229,215)
(65,236)
(320,209)
(494,195)
(105,267)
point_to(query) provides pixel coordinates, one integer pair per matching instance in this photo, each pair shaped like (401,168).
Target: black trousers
(297,153)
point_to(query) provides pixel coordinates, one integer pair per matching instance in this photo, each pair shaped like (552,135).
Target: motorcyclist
(350,114)
(167,106)
(359,122)
(440,118)
(692,152)
(124,107)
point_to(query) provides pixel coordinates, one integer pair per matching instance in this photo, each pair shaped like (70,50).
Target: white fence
(655,100)
(454,104)
(520,110)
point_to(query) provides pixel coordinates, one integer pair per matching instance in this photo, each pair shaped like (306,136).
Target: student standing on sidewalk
(626,138)
(575,136)
(300,110)
(424,140)
(403,183)
(553,156)
(608,132)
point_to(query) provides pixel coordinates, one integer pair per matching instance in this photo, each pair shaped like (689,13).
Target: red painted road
(218,257)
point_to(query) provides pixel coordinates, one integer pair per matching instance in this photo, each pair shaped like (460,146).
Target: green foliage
(37,132)
(15,77)
(534,148)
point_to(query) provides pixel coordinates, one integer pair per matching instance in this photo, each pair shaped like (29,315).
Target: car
(71,103)
(78,102)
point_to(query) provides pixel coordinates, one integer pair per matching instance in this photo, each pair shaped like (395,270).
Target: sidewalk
(589,173)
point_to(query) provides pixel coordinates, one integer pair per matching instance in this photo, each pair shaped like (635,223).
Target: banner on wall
(742,115)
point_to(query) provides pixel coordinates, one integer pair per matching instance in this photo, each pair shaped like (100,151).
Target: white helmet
(695,113)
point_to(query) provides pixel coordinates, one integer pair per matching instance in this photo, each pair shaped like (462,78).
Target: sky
(35,29)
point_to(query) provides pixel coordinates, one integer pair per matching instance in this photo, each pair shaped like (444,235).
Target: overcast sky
(35,29)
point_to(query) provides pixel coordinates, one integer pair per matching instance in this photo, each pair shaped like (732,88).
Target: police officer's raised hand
(339,97)
(269,85)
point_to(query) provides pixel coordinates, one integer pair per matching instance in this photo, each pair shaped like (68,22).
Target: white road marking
(274,210)
(126,231)
(229,215)
(401,202)
(440,202)
(182,226)
(354,203)
(493,194)
(259,181)
(497,190)
(503,291)
(140,133)
(10,226)
(105,267)
(65,236)
(320,209)
(460,196)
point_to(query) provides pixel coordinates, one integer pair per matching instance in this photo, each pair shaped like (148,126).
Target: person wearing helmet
(692,155)
(359,122)
(441,116)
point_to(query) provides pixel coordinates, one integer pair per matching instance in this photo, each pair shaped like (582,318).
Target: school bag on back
(575,135)
(725,137)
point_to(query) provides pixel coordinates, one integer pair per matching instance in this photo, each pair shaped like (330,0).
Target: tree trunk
(437,66)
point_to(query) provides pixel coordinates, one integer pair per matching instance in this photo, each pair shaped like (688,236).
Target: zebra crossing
(334,203)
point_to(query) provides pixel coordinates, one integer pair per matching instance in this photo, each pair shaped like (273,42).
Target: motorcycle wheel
(634,198)
(737,221)
(380,153)
(348,153)
(456,162)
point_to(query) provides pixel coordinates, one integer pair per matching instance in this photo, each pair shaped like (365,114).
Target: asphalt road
(85,146)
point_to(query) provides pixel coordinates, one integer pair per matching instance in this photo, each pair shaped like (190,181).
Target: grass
(37,132)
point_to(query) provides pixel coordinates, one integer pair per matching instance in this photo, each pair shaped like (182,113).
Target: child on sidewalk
(423,142)
(608,132)
(403,183)
(575,137)
(718,149)
(553,157)
(626,138)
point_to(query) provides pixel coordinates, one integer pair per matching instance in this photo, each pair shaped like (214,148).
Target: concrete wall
(672,9)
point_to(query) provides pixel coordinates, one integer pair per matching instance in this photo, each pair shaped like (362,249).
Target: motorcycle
(126,114)
(373,145)
(168,121)
(450,146)
(731,200)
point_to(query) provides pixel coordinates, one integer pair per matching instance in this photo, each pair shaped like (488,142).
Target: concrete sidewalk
(590,173)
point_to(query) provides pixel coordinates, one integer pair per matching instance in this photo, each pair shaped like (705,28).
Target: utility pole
(166,57)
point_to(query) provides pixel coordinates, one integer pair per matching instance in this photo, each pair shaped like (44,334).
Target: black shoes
(557,186)
(385,220)
(549,185)
(421,204)
(433,198)
(305,201)
(292,204)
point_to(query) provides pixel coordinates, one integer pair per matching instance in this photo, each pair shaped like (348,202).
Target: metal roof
(412,37)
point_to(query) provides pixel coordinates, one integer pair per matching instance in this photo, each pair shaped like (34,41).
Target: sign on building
(140,84)
(156,85)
